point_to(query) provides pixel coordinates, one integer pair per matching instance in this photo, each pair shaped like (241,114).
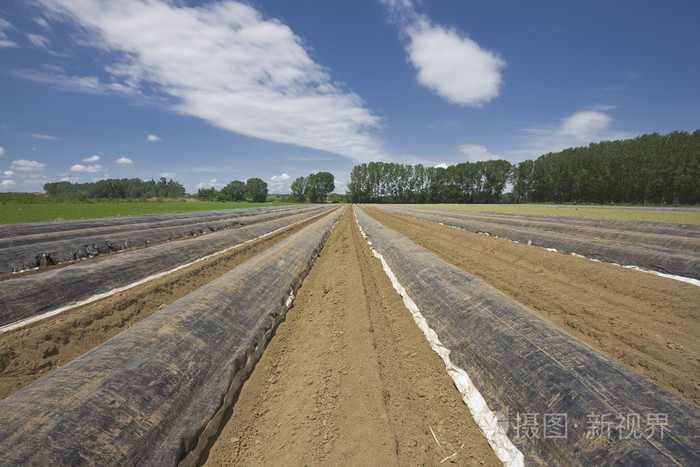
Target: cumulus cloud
(279,183)
(225,63)
(441,165)
(578,129)
(8,173)
(152,138)
(124,161)
(86,168)
(24,165)
(6,184)
(94,158)
(213,183)
(447,62)
(476,153)
(4,40)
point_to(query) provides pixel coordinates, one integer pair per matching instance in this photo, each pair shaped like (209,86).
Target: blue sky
(206,92)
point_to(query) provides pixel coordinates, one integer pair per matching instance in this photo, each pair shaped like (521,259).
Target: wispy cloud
(225,63)
(124,161)
(86,168)
(581,128)
(4,40)
(40,136)
(152,138)
(55,77)
(94,158)
(2,152)
(38,41)
(448,62)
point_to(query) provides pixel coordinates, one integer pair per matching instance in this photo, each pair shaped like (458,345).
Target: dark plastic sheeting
(35,294)
(145,396)
(660,259)
(523,364)
(35,228)
(36,250)
(683,237)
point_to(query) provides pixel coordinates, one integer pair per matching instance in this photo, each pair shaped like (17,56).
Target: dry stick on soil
(435,437)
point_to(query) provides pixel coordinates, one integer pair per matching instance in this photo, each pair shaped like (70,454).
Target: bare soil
(649,323)
(28,353)
(349,379)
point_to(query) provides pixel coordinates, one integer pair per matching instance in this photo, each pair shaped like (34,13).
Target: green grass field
(657,215)
(14,213)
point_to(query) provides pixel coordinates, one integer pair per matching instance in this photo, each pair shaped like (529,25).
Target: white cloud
(452,65)
(4,40)
(224,63)
(40,136)
(213,183)
(441,165)
(124,161)
(60,80)
(476,153)
(86,168)
(42,22)
(5,184)
(38,41)
(25,165)
(8,173)
(94,158)
(579,129)
(152,138)
(171,175)
(2,152)
(279,183)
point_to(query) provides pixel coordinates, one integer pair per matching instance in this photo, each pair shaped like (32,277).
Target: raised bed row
(155,394)
(535,373)
(32,295)
(670,254)
(684,237)
(21,252)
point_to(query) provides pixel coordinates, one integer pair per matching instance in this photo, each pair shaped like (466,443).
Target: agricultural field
(276,335)
(11,213)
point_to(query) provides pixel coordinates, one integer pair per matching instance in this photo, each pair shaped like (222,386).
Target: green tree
(256,190)
(319,186)
(299,189)
(234,191)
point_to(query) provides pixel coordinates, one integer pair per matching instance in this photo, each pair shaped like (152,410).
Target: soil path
(649,323)
(28,353)
(349,379)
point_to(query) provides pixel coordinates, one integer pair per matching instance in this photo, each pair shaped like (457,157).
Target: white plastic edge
(94,298)
(485,418)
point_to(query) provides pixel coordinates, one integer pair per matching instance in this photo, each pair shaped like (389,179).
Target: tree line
(468,182)
(253,189)
(649,169)
(123,188)
(314,188)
